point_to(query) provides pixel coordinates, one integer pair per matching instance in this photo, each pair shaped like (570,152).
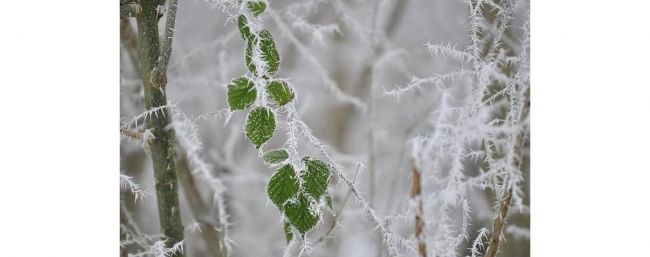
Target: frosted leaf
(241,94)
(316,178)
(282,186)
(260,126)
(300,215)
(244,29)
(249,56)
(256,8)
(270,54)
(288,234)
(276,156)
(280,92)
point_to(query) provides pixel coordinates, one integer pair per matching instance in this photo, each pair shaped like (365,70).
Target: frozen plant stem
(498,226)
(416,194)
(162,148)
(500,221)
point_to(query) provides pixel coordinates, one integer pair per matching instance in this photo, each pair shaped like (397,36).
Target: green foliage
(300,215)
(244,29)
(241,94)
(249,58)
(276,156)
(280,92)
(297,199)
(316,178)
(256,8)
(282,186)
(288,234)
(260,126)
(270,54)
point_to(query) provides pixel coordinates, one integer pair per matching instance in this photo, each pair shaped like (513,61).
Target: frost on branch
(138,192)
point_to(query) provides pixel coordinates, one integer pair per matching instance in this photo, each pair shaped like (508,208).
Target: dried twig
(416,194)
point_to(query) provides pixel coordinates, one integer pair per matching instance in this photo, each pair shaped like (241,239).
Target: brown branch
(131,133)
(498,226)
(416,194)
(500,220)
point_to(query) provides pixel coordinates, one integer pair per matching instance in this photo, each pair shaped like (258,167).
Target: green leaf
(276,156)
(282,186)
(288,234)
(299,214)
(241,94)
(280,92)
(249,58)
(269,53)
(245,31)
(260,126)
(256,8)
(316,178)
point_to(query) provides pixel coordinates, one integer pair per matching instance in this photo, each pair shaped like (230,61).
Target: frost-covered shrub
(315,128)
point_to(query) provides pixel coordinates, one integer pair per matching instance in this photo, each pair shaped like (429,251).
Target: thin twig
(131,133)
(337,214)
(416,194)
(498,225)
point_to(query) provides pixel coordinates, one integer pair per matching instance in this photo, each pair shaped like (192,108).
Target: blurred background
(342,57)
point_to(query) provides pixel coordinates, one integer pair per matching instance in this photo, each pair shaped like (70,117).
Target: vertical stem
(500,220)
(416,194)
(498,225)
(162,148)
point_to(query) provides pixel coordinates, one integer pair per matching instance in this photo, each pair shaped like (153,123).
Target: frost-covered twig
(478,242)
(138,192)
(498,225)
(388,236)
(337,214)
(437,80)
(131,133)
(159,249)
(154,112)
(328,82)
(188,139)
(416,192)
